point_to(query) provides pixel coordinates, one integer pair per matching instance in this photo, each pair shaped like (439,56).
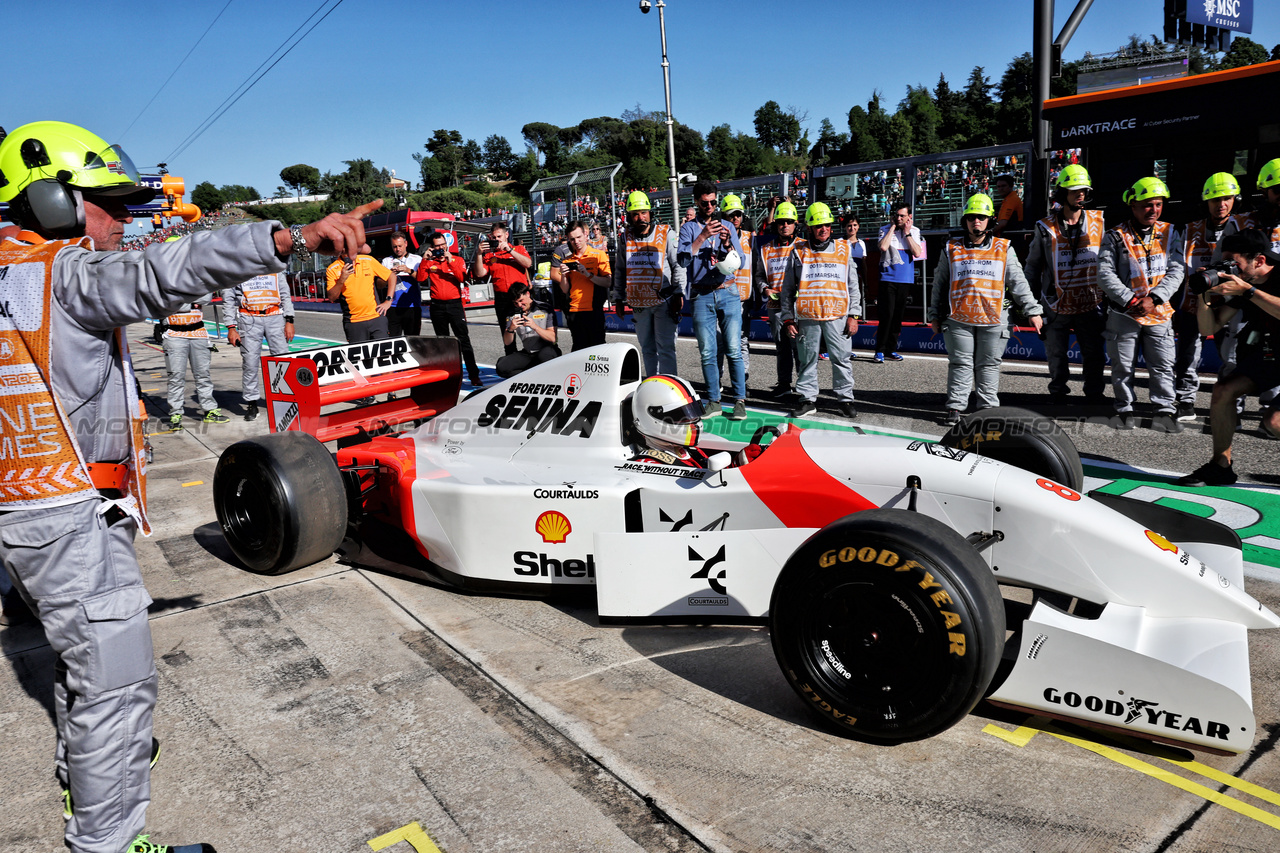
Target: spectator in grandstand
(821,304)
(584,276)
(1010,215)
(1199,241)
(1140,268)
(404,317)
(1063,270)
(533,328)
(507,265)
(771,265)
(1255,293)
(709,251)
(969,285)
(255,309)
(900,247)
(444,273)
(690,214)
(647,276)
(597,240)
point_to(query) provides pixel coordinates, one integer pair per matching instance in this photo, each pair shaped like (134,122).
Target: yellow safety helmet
(1219,185)
(731,203)
(817,214)
(1074,177)
(69,155)
(979,204)
(1146,188)
(785,210)
(638,201)
(1269,176)
(170,239)
(43,163)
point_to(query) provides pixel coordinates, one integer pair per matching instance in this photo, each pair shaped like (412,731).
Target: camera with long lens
(1211,276)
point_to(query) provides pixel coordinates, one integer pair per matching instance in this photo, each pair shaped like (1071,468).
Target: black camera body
(438,254)
(1211,276)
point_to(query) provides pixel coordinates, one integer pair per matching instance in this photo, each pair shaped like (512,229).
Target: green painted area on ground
(1253,511)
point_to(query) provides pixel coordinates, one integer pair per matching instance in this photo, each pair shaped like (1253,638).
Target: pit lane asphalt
(322,709)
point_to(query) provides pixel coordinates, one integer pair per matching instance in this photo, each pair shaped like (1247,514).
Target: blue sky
(377,77)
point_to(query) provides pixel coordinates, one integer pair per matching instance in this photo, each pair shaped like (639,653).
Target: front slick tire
(888,624)
(280,501)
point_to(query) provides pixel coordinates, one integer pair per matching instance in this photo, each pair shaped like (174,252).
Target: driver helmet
(667,411)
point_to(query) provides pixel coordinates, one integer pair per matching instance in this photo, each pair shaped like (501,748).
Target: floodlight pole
(671,133)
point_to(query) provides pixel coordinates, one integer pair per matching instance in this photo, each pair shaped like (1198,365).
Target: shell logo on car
(1161,543)
(553,526)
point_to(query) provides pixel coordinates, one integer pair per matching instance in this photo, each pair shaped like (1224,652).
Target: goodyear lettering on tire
(941,597)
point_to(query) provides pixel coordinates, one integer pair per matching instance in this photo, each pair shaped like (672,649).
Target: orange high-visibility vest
(41,463)
(977,281)
(645,256)
(260,295)
(743,275)
(823,282)
(1148,264)
(1075,268)
(187,318)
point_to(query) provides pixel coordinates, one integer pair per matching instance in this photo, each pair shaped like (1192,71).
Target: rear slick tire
(1022,438)
(280,502)
(888,624)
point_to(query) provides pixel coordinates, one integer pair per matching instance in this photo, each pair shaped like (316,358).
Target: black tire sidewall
(1022,438)
(897,560)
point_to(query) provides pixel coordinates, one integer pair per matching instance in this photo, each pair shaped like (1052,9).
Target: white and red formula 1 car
(876,561)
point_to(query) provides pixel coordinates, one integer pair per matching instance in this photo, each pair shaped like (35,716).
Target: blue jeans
(719,311)
(656,334)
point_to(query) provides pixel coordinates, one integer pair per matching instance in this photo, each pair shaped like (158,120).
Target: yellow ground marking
(149,390)
(412,833)
(1022,735)
(193,483)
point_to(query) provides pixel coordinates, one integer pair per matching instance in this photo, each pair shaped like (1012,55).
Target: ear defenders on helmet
(55,209)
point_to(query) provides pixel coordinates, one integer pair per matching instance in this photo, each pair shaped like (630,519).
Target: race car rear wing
(300,385)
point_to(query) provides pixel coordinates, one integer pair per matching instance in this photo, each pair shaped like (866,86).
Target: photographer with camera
(507,265)
(709,250)
(533,329)
(444,274)
(1200,241)
(1247,282)
(404,317)
(585,276)
(1140,268)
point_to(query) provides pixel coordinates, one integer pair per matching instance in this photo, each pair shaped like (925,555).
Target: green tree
(360,184)
(863,147)
(446,149)
(301,177)
(777,129)
(1243,51)
(829,145)
(980,110)
(207,197)
(1275,53)
(921,113)
(237,192)
(1016,93)
(544,139)
(472,156)
(497,156)
(430,174)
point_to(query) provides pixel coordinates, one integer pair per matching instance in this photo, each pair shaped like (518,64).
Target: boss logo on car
(1135,709)
(534,414)
(531,563)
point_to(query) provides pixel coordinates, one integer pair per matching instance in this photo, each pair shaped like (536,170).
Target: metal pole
(1042,60)
(671,133)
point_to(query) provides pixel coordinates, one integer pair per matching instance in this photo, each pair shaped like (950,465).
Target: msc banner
(1225,14)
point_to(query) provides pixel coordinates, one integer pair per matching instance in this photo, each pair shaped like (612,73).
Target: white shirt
(403,282)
